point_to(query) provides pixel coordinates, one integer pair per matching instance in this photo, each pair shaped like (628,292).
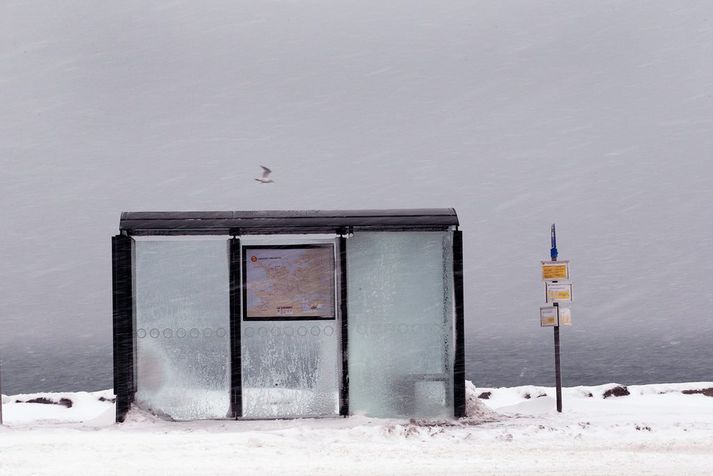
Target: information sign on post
(551,316)
(555,270)
(558,292)
(565,316)
(548,316)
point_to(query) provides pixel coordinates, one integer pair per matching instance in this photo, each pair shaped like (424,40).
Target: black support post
(459,364)
(236,396)
(344,393)
(122,290)
(558,373)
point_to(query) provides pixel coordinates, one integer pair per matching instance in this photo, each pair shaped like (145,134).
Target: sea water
(492,361)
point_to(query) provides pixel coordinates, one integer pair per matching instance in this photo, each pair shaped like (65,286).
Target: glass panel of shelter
(290,331)
(400,308)
(182,328)
(401,315)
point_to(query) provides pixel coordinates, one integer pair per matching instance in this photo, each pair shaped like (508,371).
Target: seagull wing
(265,171)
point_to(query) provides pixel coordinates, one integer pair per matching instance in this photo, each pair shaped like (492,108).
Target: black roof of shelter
(285,221)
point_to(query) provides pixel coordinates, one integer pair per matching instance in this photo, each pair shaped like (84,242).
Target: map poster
(288,282)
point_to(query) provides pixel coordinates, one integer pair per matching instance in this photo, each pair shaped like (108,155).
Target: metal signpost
(555,292)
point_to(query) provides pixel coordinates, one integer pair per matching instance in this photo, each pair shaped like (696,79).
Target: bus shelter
(289,314)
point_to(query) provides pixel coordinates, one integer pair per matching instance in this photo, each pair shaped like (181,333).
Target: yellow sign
(558,292)
(555,270)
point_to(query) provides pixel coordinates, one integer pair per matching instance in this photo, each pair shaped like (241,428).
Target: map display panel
(289,282)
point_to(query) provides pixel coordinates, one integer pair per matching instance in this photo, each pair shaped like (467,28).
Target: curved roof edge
(285,221)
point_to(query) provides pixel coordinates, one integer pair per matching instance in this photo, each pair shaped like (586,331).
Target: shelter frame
(234,225)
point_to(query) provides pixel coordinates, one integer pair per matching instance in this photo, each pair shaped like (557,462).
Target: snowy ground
(656,429)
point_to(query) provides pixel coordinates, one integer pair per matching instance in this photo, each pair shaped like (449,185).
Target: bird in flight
(265,175)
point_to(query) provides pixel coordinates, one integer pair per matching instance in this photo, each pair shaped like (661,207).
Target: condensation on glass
(182,328)
(400,308)
(292,368)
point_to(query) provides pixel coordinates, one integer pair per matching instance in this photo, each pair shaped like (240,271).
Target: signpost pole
(558,374)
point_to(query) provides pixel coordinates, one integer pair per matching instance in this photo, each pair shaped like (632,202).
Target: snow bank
(656,429)
(483,404)
(475,409)
(504,397)
(90,408)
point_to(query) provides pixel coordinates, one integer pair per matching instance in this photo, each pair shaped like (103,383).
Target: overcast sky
(596,115)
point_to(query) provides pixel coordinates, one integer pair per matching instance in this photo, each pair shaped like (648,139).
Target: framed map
(288,282)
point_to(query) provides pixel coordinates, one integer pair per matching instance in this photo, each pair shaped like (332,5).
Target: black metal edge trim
(459,364)
(245,231)
(289,214)
(236,396)
(116,311)
(344,393)
(122,317)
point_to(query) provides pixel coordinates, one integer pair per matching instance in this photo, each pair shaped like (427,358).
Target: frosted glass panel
(290,369)
(400,310)
(182,328)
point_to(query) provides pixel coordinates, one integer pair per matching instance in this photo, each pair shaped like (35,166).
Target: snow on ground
(655,429)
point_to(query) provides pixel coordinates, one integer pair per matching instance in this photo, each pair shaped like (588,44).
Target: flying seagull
(265,174)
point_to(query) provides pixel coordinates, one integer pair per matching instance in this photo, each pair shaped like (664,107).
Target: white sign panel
(558,292)
(565,316)
(551,316)
(548,316)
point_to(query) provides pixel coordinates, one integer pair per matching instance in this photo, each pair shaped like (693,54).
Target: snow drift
(655,429)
